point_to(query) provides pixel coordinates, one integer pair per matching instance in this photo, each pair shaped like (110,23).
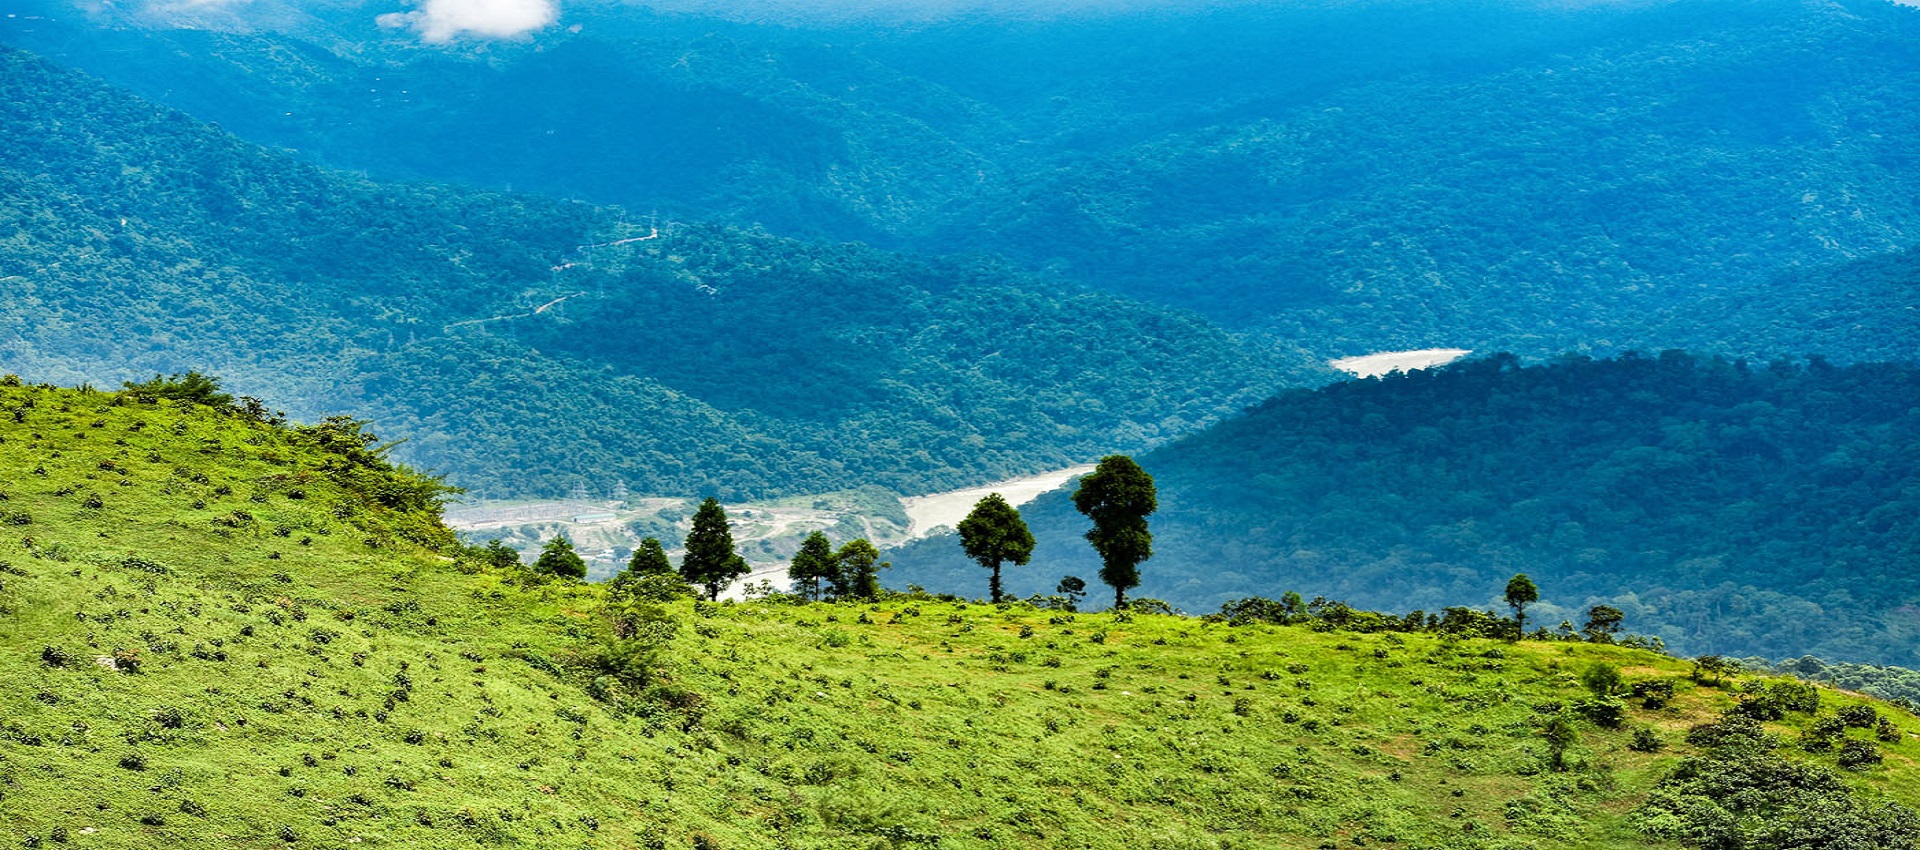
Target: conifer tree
(1118,495)
(811,565)
(710,561)
(558,558)
(993,534)
(648,560)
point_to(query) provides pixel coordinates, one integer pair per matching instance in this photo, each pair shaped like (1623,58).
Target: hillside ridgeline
(221,629)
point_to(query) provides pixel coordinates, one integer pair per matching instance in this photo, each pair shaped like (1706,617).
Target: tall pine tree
(710,561)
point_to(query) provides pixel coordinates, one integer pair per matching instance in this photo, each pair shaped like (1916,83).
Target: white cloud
(440,21)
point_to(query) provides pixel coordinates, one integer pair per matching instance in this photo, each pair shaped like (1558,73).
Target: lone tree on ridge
(1520,593)
(993,534)
(1118,495)
(710,561)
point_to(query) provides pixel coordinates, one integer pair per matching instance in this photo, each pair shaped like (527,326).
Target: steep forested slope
(1748,509)
(533,343)
(219,631)
(1503,176)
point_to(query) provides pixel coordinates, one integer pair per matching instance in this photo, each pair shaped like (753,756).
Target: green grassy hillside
(217,630)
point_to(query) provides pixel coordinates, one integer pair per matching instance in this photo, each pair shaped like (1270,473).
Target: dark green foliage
(993,534)
(1603,622)
(1856,754)
(1607,712)
(1074,588)
(813,564)
(499,555)
(1653,693)
(649,559)
(557,558)
(857,569)
(1645,740)
(1601,678)
(190,386)
(1742,793)
(1118,496)
(710,561)
(1859,716)
(1560,735)
(1520,593)
(1713,669)
(647,562)
(1214,172)
(1820,735)
(1896,684)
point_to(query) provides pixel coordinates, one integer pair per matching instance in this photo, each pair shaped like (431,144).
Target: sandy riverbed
(1385,362)
(947,509)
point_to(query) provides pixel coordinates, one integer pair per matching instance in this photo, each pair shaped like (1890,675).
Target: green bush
(1859,755)
(1653,693)
(1645,740)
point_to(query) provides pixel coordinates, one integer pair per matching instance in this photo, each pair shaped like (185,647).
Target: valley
(605,532)
(1506,412)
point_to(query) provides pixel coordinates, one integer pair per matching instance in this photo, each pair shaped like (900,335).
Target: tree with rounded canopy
(710,561)
(1602,622)
(993,534)
(1118,495)
(558,558)
(857,570)
(811,565)
(1521,592)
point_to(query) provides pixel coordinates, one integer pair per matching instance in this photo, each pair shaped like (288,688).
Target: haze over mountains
(1502,176)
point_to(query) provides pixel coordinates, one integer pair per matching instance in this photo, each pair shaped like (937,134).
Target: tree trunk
(1119,599)
(993,587)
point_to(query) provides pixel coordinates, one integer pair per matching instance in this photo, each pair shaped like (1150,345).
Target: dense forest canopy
(1728,507)
(531,343)
(1348,177)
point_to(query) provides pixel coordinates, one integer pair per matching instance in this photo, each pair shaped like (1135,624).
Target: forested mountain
(221,631)
(1358,176)
(532,343)
(1752,509)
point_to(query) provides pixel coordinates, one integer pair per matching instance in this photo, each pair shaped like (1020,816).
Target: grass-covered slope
(254,637)
(527,352)
(1735,508)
